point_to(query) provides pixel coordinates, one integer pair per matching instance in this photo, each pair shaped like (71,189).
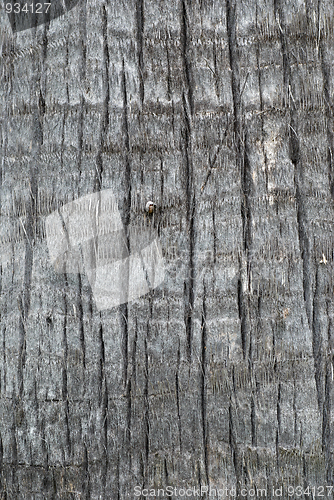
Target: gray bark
(222,114)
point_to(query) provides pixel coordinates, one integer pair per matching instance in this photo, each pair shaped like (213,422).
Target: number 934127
(28,8)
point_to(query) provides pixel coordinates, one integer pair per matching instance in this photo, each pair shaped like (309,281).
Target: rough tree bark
(222,114)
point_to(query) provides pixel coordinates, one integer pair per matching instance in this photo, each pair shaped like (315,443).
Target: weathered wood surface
(222,114)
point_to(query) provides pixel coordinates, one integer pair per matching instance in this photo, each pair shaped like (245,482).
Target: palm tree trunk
(221,377)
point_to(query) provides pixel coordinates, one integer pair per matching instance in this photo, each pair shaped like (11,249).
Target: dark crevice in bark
(81,323)
(278,408)
(80,134)
(246,209)
(128,419)
(215,66)
(190,208)
(253,421)
(169,87)
(44,446)
(42,85)
(326,416)
(203,387)
(118,477)
(326,424)
(326,76)
(127,152)
(162,185)
(311,297)
(165,471)
(185,43)
(245,174)
(304,242)
(140,42)
(14,461)
(64,370)
(105,112)
(242,312)
(259,71)
(317,344)
(323,369)
(102,364)
(123,309)
(103,397)
(4,388)
(83,35)
(295,411)
(146,427)
(294,152)
(62,149)
(86,475)
(278,417)
(134,365)
(214,229)
(234,451)
(22,346)
(234,65)
(104,415)
(1,464)
(177,393)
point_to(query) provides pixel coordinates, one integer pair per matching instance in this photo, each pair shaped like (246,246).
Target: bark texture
(221,112)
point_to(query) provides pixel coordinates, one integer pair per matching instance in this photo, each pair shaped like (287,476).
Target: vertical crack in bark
(105,435)
(86,476)
(123,308)
(215,67)
(325,60)
(253,421)
(278,417)
(326,423)
(190,208)
(215,238)
(81,323)
(14,461)
(294,151)
(140,42)
(278,408)
(146,414)
(103,397)
(326,75)
(310,282)
(105,113)
(234,451)
(317,344)
(64,370)
(245,176)
(134,354)
(169,87)
(259,71)
(102,364)
(177,392)
(118,488)
(203,387)
(1,463)
(323,370)
(185,57)
(83,35)
(128,419)
(326,418)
